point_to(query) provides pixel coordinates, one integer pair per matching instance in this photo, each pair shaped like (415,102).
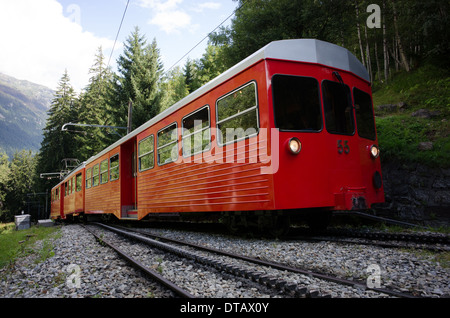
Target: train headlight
(294,145)
(374,151)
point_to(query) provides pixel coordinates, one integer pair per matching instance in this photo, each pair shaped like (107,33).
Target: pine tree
(210,65)
(95,110)
(5,172)
(57,144)
(190,70)
(20,181)
(173,89)
(138,81)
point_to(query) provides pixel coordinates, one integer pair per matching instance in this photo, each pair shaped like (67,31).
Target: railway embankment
(412,111)
(416,193)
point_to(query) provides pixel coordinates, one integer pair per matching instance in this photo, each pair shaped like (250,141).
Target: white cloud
(167,15)
(38,43)
(206,5)
(171,21)
(171,17)
(160,5)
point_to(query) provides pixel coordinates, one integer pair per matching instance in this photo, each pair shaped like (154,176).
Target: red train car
(288,130)
(67,198)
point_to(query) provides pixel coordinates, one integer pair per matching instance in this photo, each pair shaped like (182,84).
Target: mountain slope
(23,113)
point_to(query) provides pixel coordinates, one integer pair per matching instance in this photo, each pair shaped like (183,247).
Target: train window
(365,122)
(79,182)
(88,178)
(65,189)
(146,153)
(338,108)
(196,132)
(114,168)
(72,186)
(95,175)
(104,171)
(168,145)
(296,103)
(237,114)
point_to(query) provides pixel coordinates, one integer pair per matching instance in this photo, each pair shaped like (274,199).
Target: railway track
(266,285)
(250,269)
(419,241)
(137,264)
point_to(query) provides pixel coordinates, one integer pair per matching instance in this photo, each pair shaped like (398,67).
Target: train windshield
(338,109)
(296,103)
(364,114)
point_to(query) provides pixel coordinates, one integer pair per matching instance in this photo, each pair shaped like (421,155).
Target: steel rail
(280,266)
(269,281)
(373,242)
(178,290)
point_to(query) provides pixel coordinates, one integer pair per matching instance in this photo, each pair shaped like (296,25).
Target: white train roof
(299,50)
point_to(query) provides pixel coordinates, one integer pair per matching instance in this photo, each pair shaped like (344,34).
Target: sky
(40,39)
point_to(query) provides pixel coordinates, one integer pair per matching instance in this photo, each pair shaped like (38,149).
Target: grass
(14,244)
(400,133)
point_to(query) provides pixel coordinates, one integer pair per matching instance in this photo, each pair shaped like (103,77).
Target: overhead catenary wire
(118,31)
(193,48)
(235,10)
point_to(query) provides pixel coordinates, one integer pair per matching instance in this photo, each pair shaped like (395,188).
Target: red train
(288,131)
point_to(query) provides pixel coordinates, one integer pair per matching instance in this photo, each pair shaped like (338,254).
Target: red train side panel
(222,178)
(102,194)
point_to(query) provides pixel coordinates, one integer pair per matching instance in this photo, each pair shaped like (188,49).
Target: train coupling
(351,198)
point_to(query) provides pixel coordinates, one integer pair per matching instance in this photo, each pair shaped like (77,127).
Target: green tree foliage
(199,72)
(16,181)
(417,29)
(95,110)
(210,65)
(173,89)
(58,145)
(258,22)
(4,175)
(189,71)
(138,81)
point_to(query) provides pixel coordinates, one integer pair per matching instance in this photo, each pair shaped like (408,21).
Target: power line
(118,31)
(238,8)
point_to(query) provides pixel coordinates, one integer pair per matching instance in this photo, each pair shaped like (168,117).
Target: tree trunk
(385,48)
(359,34)
(369,62)
(403,58)
(395,53)
(377,61)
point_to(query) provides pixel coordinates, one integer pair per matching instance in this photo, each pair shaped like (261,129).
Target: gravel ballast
(81,268)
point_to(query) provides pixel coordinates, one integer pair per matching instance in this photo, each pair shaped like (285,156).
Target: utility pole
(130,116)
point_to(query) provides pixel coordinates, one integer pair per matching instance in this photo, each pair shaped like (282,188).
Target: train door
(343,147)
(61,201)
(128,179)
(302,175)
